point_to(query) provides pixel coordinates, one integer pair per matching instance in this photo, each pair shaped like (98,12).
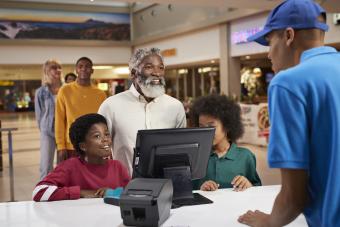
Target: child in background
(70,77)
(89,174)
(229,166)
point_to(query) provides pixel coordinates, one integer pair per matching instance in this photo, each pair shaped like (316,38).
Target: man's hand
(289,203)
(255,219)
(61,155)
(209,186)
(241,183)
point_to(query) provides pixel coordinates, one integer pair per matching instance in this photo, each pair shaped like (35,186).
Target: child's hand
(88,194)
(100,192)
(240,183)
(209,186)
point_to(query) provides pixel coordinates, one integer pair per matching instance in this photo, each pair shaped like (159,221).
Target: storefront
(255,69)
(18,83)
(192,81)
(256,72)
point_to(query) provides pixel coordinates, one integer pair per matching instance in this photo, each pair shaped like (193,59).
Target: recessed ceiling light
(122,70)
(247,57)
(170,7)
(153,13)
(102,67)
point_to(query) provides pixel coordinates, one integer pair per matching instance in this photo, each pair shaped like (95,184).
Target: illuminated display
(241,36)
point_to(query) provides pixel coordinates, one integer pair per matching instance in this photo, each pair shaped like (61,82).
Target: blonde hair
(46,79)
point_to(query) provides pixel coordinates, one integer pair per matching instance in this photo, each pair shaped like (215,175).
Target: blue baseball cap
(297,14)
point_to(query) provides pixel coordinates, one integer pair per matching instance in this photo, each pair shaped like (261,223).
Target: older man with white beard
(144,106)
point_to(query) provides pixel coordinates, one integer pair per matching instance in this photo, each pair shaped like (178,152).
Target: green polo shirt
(237,161)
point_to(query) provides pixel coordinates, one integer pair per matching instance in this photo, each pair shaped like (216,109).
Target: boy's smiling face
(97,144)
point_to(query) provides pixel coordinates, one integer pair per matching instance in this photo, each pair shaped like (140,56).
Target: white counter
(227,206)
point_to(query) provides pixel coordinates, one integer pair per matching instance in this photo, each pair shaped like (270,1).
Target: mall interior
(205,49)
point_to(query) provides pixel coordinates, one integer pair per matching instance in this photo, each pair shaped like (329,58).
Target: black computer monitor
(180,154)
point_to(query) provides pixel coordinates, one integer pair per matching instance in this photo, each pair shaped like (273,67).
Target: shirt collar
(45,87)
(316,51)
(134,91)
(231,154)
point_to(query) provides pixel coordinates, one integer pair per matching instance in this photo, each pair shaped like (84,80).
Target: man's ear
(289,35)
(133,73)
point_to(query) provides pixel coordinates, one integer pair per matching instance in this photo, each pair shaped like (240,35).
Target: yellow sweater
(74,101)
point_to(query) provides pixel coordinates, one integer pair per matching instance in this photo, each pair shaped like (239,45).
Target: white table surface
(225,210)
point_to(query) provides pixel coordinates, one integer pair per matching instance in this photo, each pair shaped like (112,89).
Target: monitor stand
(181,180)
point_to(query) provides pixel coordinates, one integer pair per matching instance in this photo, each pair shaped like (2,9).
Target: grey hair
(140,54)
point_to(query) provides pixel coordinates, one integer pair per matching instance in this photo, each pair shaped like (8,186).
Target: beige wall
(190,47)
(35,54)
(159,22)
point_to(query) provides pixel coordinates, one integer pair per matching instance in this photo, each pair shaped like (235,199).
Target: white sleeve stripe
(37,189)
(47,194)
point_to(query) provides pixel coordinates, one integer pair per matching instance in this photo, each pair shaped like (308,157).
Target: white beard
(149,89)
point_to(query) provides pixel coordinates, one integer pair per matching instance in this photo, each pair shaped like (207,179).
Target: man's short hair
(84,58)
(140,54)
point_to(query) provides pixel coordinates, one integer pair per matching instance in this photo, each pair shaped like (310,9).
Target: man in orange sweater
(74,100)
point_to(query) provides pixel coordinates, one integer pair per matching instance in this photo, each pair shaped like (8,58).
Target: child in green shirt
(229,166)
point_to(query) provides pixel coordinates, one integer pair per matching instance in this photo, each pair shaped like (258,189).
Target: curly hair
(221,108)
(80,128)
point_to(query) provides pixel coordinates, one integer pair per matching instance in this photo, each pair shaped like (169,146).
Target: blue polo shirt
(304,110)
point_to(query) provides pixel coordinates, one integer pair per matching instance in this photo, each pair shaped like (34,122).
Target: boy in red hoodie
(89,174)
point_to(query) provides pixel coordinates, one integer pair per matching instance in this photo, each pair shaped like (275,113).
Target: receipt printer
(146,201)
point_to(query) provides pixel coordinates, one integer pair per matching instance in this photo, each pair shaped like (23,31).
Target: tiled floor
(26,158)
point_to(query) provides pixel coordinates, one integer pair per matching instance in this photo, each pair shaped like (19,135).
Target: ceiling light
(102,67)
(204,69)
(247,57)
(153,13)
(122,70)
(170,7)
(182,71)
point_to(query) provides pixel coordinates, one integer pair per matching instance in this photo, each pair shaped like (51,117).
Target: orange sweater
(74,101)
